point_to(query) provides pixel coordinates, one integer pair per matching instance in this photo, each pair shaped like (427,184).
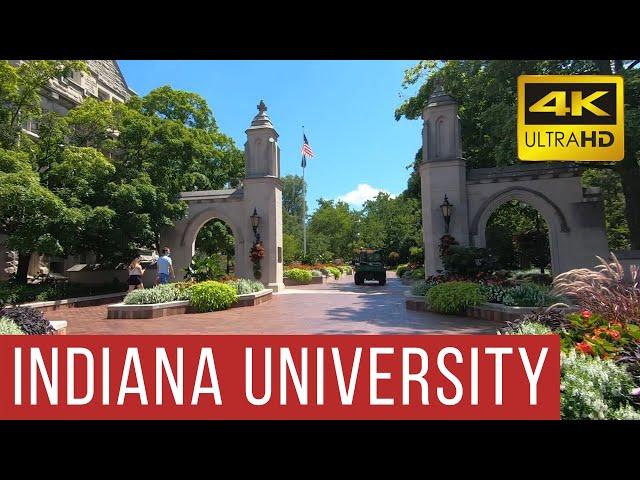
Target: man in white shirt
(165,266)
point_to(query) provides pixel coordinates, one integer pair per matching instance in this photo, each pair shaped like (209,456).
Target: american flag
(306,150)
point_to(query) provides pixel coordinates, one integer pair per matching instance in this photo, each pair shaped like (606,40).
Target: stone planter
(60,327)
(486,311)
(156,310)
(498,312)
(288,282)
(75,302)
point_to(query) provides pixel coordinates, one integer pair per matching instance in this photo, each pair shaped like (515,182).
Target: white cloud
(361,194)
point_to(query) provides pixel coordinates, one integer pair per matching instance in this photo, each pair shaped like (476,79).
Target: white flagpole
(304,206)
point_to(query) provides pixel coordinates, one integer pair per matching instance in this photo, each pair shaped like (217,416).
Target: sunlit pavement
(336,308)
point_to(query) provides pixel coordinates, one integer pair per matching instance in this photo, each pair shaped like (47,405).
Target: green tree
(486,91)
(113,171)
(20,89)
(333,229)
(215,237)
(391,223)
(518,236)
(293,208)
(30,214)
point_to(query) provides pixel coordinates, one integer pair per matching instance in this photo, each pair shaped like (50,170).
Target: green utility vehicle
(369,266)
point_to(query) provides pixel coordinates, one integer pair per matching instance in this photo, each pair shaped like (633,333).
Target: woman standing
(135,274)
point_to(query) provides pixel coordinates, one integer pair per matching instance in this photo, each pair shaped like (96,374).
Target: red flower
(586,314)
(585,347)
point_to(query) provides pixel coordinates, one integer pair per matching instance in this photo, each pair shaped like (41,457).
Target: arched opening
(213,252)
(517,237)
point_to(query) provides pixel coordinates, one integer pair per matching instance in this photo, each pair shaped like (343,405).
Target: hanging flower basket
(257,254)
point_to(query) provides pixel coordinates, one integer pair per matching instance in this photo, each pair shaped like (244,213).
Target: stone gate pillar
(442,172)
(263,192)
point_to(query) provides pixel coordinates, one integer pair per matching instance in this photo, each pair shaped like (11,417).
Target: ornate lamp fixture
(255,223)
(446,208)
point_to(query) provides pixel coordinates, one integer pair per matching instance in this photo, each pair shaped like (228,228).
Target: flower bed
(12,293)
(189,297)
(124,311)
(27,321)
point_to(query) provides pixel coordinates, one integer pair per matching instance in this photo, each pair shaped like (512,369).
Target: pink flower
(586,314)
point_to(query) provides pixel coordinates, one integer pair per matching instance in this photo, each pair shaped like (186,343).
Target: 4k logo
(570,117)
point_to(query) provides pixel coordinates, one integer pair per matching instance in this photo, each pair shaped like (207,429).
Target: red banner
(280,377)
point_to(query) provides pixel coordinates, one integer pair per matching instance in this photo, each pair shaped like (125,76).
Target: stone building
(104,81)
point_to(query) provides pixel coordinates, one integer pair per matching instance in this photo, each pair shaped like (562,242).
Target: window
(102,95)
(30,125)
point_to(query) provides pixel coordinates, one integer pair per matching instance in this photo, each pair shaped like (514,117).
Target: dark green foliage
(30,320)
(12,293)
(205,268)
(517,237)
(417,274)
(493,293)
(467,261)
(486,91)
(401,269)
(529,295)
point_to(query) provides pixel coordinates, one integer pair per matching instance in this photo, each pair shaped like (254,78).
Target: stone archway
(552,215)
(573,214)
(194,226)
(261,191)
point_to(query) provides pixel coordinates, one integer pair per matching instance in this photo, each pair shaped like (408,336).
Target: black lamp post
(255,223)
(446,208)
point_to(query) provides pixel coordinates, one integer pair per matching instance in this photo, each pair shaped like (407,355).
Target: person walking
(135,274)
(165,267)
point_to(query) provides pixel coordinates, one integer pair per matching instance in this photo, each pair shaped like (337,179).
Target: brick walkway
(337,308)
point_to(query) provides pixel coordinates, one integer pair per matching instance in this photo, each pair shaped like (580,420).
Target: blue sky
(346,107)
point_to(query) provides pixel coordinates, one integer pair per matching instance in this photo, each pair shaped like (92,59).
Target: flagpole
(304,207)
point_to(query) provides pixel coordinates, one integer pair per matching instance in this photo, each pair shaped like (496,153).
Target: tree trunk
(631,187)
(24,259)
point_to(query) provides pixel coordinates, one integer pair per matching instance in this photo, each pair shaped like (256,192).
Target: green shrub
(244,286)
(401,269)
(211,296)
(592,388)
(8,327)
(528,295)
(416,255)
(203,268)
(420,288)
(160,294)
(467,261)
(182,290)
(345,269)
(417,274)
(335,272)
(12,293)
(299,275)
(316,273)
(453,298)
(493,293)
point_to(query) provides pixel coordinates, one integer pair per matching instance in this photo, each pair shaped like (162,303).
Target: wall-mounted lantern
(255,223)
(446,208)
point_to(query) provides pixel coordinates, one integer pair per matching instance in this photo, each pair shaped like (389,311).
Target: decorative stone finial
(261,119)
(438,95)
(438,87)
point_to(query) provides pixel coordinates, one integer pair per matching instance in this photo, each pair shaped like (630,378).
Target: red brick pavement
(336,308)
